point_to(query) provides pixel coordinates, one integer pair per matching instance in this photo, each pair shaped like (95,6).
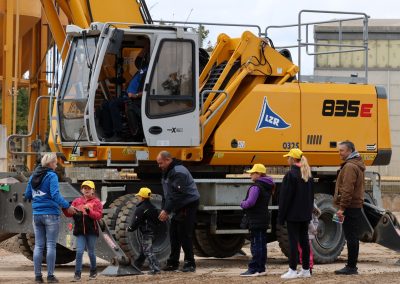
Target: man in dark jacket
(146,221)
(255,219)
(349,198)
(181,197)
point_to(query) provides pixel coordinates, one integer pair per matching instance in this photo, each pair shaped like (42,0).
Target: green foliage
(22,110)
(203,32)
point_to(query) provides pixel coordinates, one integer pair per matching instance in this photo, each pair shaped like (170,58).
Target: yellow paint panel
(241,123)
(361,130)
(346,58)
(116,11)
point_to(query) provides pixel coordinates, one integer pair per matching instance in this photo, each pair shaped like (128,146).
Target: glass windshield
(74,90)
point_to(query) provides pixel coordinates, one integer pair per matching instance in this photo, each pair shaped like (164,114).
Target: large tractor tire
(197,250)
(329,242)
(129,241)
(115,207)
(220,246)
(26,243)
(283,239)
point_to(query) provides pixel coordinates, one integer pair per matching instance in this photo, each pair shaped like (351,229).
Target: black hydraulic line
(90,10)
(145,12)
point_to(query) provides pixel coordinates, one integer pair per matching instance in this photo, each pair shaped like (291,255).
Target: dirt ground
(376,265)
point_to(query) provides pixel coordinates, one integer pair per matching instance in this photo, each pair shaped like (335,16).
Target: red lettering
(366,110)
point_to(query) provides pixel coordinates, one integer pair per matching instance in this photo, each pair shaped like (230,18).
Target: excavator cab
(95,104)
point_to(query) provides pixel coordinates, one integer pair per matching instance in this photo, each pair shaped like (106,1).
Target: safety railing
(341,47)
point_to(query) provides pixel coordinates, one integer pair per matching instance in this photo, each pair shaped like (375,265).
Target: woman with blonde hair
(296,203)
(46,198)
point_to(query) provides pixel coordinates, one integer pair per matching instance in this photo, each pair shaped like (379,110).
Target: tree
(203,34)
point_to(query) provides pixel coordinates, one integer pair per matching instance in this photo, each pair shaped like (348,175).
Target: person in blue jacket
(43,190)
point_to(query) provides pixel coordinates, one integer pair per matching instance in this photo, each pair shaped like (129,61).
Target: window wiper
(89,62)
(77,141)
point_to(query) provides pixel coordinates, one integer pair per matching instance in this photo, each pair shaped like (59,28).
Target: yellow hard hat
(144,192)
(88,183)
(258,168)
(294,153)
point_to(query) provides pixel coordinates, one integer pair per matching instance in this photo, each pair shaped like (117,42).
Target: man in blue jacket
(181,197)
(44,192)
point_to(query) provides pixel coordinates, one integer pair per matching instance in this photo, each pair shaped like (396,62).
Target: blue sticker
(269,119)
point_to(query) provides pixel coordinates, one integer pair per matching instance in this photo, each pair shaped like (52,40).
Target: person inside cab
(128,105)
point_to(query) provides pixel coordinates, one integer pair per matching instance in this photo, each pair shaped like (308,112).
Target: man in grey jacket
(181,198)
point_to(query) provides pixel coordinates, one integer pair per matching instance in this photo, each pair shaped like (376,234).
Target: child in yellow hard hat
(88,211)
(146,220)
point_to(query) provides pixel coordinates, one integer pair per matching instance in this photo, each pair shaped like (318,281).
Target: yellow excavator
(219,113)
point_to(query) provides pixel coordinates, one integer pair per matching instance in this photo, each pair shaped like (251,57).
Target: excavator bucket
(120,264)
(386,228)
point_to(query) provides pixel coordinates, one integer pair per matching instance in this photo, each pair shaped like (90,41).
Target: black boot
(77,277)
(39,279)
(93,274)
(171,266)
(52,279)
(189,266)
(347,270)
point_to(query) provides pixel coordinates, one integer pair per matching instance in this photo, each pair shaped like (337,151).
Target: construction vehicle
(244,104)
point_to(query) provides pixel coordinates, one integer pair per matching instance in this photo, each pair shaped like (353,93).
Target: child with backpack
(146,220)
(88,211)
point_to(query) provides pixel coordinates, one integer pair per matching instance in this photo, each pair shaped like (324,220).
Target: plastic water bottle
(337,219)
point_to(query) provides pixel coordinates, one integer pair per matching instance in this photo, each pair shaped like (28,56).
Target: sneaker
(249,273)
(170,267)
(153,272)
(304,273)
(189,267)
(291,274)
(39,279)
(52,279)
(347,271)
(77,277)
(262,273)
(93,274)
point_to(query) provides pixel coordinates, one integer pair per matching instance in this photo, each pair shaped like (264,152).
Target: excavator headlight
(92,154)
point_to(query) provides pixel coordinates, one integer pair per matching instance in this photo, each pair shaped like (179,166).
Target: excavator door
(170,104)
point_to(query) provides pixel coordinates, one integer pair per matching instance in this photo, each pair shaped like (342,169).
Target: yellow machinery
(219,113)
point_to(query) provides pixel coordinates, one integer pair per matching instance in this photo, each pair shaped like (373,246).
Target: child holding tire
(146,221)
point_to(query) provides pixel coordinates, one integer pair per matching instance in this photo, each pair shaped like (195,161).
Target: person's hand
(87,208)
(71,210)
(340,215)
(163,216)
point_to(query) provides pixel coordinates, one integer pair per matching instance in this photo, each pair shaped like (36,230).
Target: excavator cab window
(172,86)
(74,89)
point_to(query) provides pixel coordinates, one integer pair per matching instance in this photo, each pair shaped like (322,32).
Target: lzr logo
(269,119)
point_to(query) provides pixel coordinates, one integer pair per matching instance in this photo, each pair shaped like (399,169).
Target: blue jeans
(258,248)
(46,228)
(88,242)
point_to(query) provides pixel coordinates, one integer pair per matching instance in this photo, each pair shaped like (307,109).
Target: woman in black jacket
(296,201)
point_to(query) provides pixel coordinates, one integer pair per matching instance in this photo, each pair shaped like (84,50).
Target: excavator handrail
(13,136)
(350,48)
(213,24)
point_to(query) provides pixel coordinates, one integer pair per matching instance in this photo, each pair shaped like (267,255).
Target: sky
(265,13)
